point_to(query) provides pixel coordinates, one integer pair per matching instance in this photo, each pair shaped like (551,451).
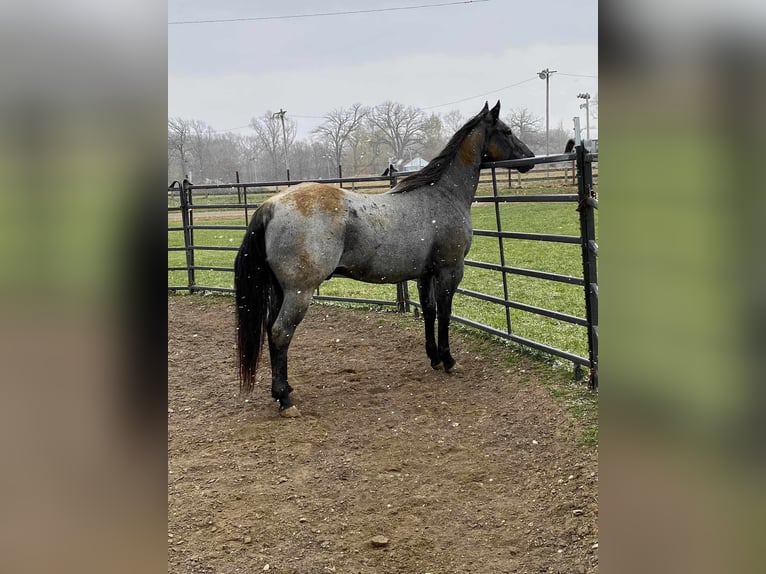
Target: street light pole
(281,115)
(546,75)
(586,97)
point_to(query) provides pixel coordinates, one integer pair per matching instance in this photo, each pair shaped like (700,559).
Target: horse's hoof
(452,369)
(437,366)
(290,412)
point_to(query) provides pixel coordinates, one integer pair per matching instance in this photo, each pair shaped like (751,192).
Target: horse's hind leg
(294,307)
(428,304)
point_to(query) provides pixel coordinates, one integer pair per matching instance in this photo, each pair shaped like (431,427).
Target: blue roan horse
(420,229)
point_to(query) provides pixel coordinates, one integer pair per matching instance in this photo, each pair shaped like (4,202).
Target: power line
(432,107)
(577,75)
(294,16)
(251,125)
(480,95)
(231,129)
(425,108)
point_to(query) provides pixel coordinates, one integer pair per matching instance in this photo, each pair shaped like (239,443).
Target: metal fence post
(402,289)
(587,205)
(187,218)
(499,226)
(244,195)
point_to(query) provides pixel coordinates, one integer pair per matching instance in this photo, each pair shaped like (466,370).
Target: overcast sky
(437,58)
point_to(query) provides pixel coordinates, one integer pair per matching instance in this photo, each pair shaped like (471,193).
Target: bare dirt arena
(481,471)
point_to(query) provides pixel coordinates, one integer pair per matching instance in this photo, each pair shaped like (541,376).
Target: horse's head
(500,143)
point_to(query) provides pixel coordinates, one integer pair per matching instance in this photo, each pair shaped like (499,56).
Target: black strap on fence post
(187,218)
(239,189)
(587,205)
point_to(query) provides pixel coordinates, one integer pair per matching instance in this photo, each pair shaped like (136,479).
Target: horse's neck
(461,178)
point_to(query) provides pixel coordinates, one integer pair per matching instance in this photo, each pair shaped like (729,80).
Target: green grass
(553,218)
(201,199)
(581,402)
(557,218)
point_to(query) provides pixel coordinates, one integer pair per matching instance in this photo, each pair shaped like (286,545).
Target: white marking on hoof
(290,412)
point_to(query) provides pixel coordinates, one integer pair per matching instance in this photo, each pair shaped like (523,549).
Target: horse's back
(395,237)
(318,229)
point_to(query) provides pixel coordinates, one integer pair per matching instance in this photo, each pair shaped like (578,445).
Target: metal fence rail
(585,201)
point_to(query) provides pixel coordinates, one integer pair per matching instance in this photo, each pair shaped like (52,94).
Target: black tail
(258,297)
(570,145)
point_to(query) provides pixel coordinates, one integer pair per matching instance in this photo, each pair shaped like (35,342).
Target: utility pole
(546,75)
(281,115)
(586,97)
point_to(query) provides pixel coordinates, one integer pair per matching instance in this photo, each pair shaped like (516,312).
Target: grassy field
(552,218)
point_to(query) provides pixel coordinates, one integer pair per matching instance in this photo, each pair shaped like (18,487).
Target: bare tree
(433,137)
(318,153)
(524,123)
(301,163)
(375,149)
(338,127)
(398,126)
(227,155)
(358,149)
(201,137)
(359,138)
(251,150)
(268,132)
(179,133)
(453,121)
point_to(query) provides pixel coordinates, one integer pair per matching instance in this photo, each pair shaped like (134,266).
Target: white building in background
(415,164)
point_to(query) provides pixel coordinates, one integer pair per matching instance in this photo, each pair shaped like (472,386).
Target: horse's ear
(495,111)
(485,109)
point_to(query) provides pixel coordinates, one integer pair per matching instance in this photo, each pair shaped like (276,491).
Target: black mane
(438,165)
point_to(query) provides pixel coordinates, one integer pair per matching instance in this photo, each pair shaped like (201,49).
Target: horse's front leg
(428,304)
(446,283)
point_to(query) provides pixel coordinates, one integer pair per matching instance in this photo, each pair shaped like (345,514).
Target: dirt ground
(480,471)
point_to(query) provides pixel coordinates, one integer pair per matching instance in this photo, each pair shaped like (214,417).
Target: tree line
(362,139)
